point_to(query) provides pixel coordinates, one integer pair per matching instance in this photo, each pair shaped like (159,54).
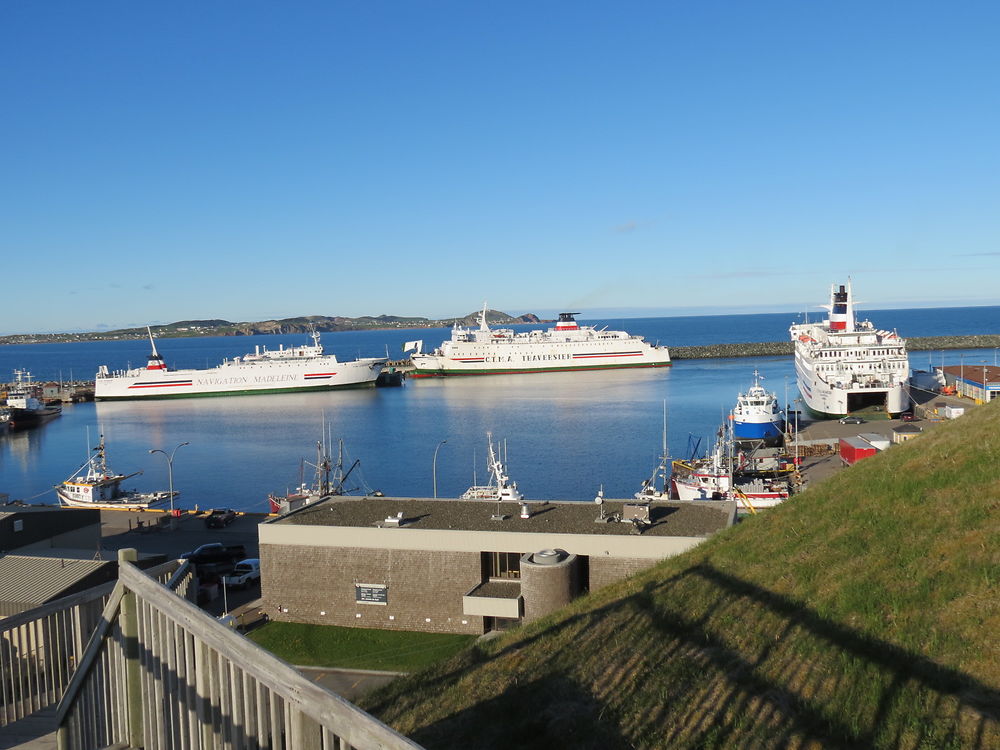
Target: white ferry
(300,368)
(568,346)
(843,366)
(94,485)
(757,416)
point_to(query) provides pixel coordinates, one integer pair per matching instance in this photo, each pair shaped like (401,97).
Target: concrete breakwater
(785,348)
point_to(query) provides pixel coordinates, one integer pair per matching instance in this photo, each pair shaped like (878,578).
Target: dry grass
(862,613)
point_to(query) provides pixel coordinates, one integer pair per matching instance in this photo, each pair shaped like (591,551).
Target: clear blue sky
(251,160)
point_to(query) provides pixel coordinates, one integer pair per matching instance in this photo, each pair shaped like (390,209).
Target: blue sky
(248,160)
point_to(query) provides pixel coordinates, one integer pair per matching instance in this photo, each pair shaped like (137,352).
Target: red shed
(853,449)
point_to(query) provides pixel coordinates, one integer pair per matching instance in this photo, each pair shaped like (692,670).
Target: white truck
(245,573)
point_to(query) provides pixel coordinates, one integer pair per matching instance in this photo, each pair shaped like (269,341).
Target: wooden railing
(40,648)
(158,672)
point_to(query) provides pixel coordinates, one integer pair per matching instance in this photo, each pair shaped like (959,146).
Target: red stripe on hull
(159,385)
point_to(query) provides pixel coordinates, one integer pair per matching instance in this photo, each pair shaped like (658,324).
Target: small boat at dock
(24,408)
(328,481)
(651,491)
(757,417)
(729,475)
(500,486)
(94,485)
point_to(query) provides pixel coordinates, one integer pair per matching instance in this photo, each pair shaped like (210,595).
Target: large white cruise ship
(844,366)
(568,346)
(301,368)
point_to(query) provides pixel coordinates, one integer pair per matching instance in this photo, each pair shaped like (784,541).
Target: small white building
(879,441)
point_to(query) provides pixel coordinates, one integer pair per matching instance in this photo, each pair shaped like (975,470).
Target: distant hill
(862,613)
(303,324)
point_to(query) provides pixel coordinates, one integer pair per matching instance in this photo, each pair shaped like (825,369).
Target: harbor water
(565,434)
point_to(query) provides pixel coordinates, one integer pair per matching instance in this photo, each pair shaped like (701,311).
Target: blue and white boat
(757,415)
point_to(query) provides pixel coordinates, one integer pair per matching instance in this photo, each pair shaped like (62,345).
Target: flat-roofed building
(462,566)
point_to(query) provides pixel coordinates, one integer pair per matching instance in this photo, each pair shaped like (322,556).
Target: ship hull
(21,419)
(429,370)
(148,501)
(826,401)
(238,379)
(689,491)
(757,430)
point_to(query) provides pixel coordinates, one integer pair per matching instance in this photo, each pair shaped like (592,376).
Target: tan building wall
(607,570)
(317,585)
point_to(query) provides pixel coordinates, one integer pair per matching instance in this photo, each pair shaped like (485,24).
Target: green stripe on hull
(304,389)
(448,373)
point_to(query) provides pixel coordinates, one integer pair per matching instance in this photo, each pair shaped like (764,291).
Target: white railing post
(133,670)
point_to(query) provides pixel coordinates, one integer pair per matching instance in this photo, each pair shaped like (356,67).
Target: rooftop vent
(396,520)
(549,556)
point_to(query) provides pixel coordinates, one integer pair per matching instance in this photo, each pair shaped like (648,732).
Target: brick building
(462,566)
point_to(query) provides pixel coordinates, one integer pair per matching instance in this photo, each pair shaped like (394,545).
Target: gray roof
(36,580)
(667,519)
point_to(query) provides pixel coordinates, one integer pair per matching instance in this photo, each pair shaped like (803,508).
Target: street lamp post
(434,466)
(170,471)
(798,403)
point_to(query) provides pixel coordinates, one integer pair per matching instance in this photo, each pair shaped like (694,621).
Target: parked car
(907,416)
(216,552)
(851,420)
(245,573)
(218,518)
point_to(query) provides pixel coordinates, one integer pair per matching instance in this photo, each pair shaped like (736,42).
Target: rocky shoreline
(786,348)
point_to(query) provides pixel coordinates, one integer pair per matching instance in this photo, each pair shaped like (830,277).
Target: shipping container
(853,449)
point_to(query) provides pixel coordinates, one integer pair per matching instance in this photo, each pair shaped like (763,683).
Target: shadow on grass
(753,668)
(550,712)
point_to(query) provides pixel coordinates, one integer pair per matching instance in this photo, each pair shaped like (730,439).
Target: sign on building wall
(371,593)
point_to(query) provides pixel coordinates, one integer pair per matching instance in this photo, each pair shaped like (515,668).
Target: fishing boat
(722,476)
(843,365)
(24,409)
(500,487)
(757,417)
(299,368)
(329,480)
(652,490)
(94,485)
(566,347)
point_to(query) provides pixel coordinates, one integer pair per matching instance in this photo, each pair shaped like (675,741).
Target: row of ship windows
(869,353)
(862,367)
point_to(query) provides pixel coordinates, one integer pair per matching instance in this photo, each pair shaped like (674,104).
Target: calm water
(566,433)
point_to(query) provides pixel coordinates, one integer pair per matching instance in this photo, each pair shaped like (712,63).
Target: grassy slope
(865,612)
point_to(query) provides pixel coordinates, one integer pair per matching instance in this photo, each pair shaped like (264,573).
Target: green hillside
(863,613)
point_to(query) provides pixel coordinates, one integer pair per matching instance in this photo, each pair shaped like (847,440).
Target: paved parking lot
(120,529)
